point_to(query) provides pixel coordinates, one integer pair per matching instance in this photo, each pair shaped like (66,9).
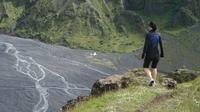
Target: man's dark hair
(153,26)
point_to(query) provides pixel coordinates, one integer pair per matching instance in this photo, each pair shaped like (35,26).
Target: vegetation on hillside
(107,26)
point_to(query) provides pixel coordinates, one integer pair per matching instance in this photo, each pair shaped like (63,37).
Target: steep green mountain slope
(104,25)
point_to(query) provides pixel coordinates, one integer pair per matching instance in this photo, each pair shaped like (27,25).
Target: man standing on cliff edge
(151,53)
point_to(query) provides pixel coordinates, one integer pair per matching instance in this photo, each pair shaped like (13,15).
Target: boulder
(110,83)
(169,83)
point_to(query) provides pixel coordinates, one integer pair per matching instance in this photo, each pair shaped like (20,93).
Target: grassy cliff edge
(138,97)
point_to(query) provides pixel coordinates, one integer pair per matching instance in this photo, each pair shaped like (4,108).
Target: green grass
(186,98)
(124,100)
(115,43)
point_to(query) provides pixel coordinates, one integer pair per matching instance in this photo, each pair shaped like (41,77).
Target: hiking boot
(152,83)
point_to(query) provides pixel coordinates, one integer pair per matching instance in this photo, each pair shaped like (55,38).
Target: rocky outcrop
(110,83)
(133,77)
(185,75)
(116,82)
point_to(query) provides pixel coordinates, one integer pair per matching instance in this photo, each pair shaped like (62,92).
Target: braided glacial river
(37,77)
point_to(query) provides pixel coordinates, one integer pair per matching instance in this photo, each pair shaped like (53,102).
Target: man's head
(152,26)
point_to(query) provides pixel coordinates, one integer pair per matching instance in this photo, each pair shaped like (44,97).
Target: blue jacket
(152,40)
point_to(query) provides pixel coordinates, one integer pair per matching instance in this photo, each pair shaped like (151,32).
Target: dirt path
(155,101)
